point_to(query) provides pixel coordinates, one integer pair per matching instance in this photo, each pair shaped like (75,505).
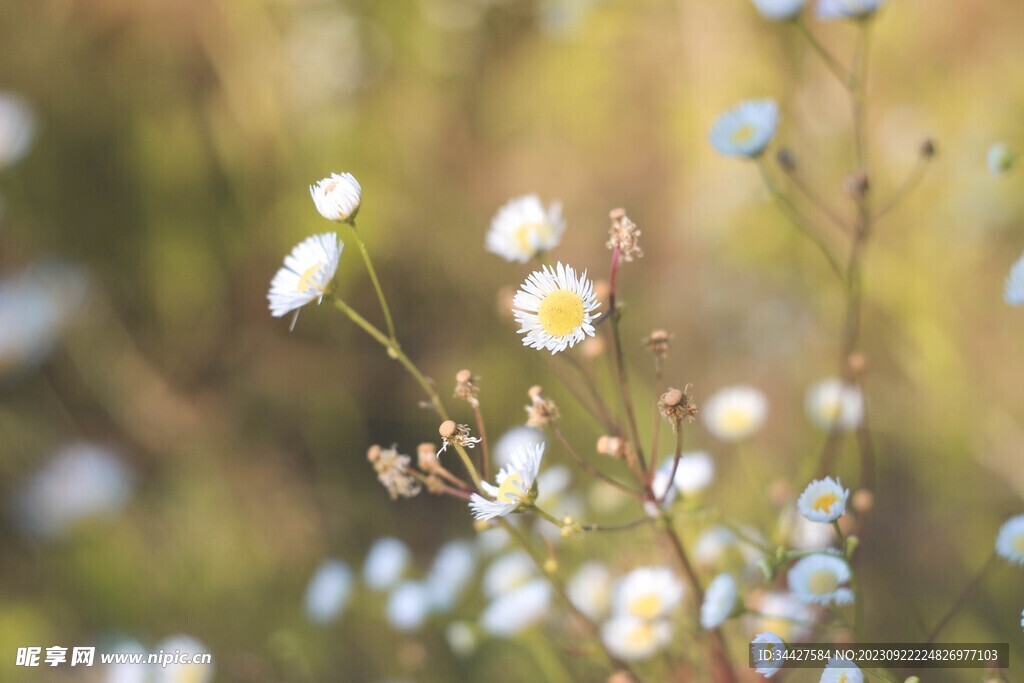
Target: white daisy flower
(515,485)
(1000,158)
(590,590)
(337,197)
(1010,541)
(819,579)
(633,639)
(183,673)
(511,613)
(523,228)
(508,573)
(328,591)
(306,275)
(408,606)
(513,440)
(81,481)
(555,309)
(839,670)
(779,10)
(833,404)
(745,130)
(785,615)
(824,500)
(719,601)
(695,472)
(847,9)
(453,567)
(385,563)
(735,413)
(648,593)
(1013,294)
(769,649)
(17,129)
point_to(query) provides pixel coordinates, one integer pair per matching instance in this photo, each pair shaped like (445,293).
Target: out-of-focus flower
(508,573)
(719,601)
(832,404)
(695,472)
(337,197)
(514,440)
(127,673)
(385,563)
(847,9)
(786,615)
(81,481)
(820,579)
(17,129)
(590,590)
(712,545)
(824,500)
(393,472)
(648,593)
(328,591)
(461,638)
(523,228)
(634,639)
(555,308)
(1010,540)
(1000,158)
(453,566)
(1013,294)
(839,670)
(769,649)
(184,673)
(306,275)
(408,606)
(514,612)
(779,10)
(804,534)
(745,130)
(735,413)
(1022,619)
(515,485)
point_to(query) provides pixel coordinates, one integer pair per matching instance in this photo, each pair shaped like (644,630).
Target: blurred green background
(175,143)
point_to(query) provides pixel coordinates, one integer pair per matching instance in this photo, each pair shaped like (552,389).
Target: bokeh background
(168,177)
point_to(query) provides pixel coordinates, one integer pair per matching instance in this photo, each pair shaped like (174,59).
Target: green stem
(376,283)
(961,599)
(831,62)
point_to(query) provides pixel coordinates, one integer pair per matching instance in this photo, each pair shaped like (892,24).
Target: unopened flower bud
(863,500)
(426,457)
(373,453)
(658,343)
(612,446)
(466,388)
(447,429)
(786,160)
(851,545)
(857,363)
(927,149)
(337,197)
(550,565)
(676,405)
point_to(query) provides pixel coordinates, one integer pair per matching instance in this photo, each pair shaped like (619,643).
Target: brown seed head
(373,453)
(426,457)
(672,398)
(448,429)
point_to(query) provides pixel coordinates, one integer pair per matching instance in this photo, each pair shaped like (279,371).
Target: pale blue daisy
(745,130)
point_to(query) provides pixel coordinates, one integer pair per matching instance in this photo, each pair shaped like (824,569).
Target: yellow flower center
(641,636)
(743,133)
(824,502)
(527,231)
(1018,544)
(511,490)
(307,280)
(646,606)
(736,420)
(822,582)
(843,678)
(561,312)
(830,408)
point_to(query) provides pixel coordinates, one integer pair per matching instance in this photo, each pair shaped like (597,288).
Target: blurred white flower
(804,534)
(555,308)
(590,590)
(328,591)
(1022,619)
(337,197)
(508,573)
(127,673)
(1013,294)
(515,485)
(719,601)
(847,9)
(695,472)
(306,275)
(461,638)
(634,639)
(1010,540)
(513,440)
(1000,158)
(769,649)
(81,481)
(824,500)
(513,612)
(779,10)
(834,404)
(786,615)
(712,545)
(551,484)
(453,567)
(492,540)
(408,606)
(17,128)
(735,413)
(648,593)
(820,579)
(385,563)
(183,673)
(523,228)
(745,130)
(839,670)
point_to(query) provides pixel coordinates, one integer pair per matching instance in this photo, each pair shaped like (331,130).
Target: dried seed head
(541,411)
(426,457)
(452,433)
(393,472)
(466,388)
(373,453)
(677,405)
(658,343)
(672,398)
(448,429)
(624,236)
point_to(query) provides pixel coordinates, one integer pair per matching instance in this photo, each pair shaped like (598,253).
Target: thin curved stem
(671,482)
(587,466)
(618,527)
(837,69)
(817,202)
(961,599)
(916,175)
(376,282)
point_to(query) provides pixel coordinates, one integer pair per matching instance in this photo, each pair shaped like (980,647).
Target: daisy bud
(851,545)
(857,364)
(481,525)
(337,197)
(612,446)
(927,149)
(373,453)
(863,500)
(465,386)
(550,565)
(426,457)
(787,162)
(658,343)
